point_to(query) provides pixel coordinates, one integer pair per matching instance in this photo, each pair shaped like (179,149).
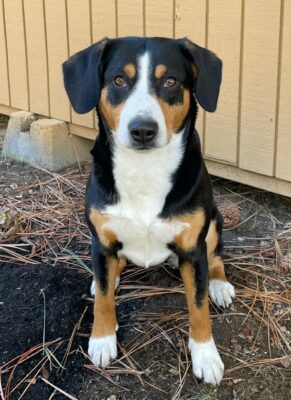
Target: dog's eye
(170,82)
(119,81)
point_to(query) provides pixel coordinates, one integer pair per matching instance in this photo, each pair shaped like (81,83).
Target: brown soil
(44,296)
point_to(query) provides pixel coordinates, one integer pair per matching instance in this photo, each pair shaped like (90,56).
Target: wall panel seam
(206,45)
(68,43)
(116,18)
(91,41)
(279,70)
(240,82)
(174,19)
(90,19)
(6,49)
(46,55)
(144,16)
(26,55)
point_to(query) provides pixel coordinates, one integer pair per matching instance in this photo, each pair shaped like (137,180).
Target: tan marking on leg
(175,115)
(104,305)
(160,70)
(110,113)
(121,265)
(187,239)
(106,236)
(215,263)
(199,318)
(130,70)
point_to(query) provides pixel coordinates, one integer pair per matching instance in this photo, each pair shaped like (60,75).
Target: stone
(44,142)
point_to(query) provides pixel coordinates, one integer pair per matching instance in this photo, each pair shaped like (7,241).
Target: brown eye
(119,81)
(170,82)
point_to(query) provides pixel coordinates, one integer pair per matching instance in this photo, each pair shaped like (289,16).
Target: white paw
(221,292)
(206,361)
(102,350)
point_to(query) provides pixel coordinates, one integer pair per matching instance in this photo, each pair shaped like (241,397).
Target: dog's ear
(82,77)
(207,74)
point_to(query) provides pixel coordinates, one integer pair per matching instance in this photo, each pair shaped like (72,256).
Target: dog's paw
(221,292)
(93,285)
(206,361)
(102,350)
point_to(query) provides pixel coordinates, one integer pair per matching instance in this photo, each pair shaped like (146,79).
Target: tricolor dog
(149,196)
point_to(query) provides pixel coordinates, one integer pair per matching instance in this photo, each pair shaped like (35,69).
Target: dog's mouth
(143,147)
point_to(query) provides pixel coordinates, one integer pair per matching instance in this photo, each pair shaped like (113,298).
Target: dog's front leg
(206,361)
(103,343)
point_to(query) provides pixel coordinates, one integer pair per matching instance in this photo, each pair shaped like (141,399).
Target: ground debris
(50,249)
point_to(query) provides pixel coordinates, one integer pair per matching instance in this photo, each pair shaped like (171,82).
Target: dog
(149,196)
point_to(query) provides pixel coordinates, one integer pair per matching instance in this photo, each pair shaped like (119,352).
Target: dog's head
(143,87)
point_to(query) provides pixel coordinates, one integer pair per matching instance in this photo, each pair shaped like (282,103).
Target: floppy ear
(208,74)
(82,77)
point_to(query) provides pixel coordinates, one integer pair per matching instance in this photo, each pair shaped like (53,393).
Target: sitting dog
(149,196)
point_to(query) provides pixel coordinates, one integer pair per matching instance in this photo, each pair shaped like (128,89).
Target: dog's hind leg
(220,290)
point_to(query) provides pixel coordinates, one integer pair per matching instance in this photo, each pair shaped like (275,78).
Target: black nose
(143,130)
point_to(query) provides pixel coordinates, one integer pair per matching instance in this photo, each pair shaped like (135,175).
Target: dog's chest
(143,183)
(144,237)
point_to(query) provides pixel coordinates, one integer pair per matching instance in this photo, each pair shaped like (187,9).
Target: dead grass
(44,220)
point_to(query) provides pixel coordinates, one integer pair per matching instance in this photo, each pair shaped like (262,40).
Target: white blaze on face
(141,103)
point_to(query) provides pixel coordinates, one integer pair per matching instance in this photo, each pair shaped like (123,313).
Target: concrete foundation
(44,142)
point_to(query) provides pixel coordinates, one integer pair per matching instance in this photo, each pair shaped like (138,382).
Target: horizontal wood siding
(251,129)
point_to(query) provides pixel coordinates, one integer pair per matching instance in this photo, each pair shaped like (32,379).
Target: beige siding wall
(251,130)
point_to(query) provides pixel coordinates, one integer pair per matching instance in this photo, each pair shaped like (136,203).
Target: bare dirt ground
(46,309)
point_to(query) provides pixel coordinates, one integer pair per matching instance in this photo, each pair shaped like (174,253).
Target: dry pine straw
(44,220)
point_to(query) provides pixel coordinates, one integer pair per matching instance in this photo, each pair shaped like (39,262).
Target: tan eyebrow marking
(160,70)
(176,113)
(130,70)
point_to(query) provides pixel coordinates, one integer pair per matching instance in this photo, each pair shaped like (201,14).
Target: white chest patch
(143,180)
